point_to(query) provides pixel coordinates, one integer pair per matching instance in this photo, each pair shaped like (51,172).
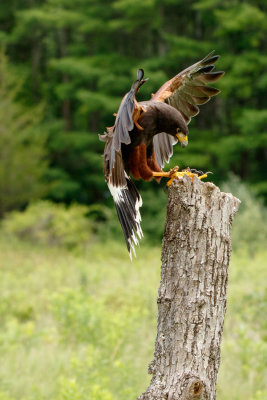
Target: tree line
(65,65)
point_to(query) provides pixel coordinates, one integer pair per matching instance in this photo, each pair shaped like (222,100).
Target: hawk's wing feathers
(188,89)
(118,134)
(125,195)
(128,201)
(163,147)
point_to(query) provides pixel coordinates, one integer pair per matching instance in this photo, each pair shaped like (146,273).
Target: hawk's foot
(174,173)
(168,174)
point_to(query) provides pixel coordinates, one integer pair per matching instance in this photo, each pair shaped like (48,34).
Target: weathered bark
(192,295)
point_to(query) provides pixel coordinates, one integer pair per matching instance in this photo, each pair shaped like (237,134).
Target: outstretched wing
(189,88)
(125,195)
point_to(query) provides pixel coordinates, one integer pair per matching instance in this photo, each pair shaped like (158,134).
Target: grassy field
(81,325)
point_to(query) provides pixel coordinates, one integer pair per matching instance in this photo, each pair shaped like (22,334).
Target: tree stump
(192,295)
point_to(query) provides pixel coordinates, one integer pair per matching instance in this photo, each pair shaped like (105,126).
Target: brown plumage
(143,136)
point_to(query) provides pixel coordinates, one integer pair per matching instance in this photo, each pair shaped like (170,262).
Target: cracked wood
(192,295)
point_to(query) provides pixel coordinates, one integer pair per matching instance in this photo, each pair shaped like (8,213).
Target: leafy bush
(250,223)
(154,213)
(244,345)
(249,227)
(5,396)
(84,318)
(260,395)
(53,224)
(104,326)
(82,325)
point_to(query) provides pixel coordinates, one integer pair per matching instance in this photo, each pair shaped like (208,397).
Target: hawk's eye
(179,130)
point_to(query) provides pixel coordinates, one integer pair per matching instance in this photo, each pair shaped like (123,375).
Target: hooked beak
(183,139)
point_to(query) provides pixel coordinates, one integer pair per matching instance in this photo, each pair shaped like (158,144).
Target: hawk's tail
(128,201)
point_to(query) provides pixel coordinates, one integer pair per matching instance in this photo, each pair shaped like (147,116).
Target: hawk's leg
(144,169)
(153,165)
(142,166)
(174,173)
(134,160)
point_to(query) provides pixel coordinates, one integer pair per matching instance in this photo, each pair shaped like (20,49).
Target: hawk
(144,133)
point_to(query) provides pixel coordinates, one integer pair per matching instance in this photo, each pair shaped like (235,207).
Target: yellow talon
(174,173)
(202,176)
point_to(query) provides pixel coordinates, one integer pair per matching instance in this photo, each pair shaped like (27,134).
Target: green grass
(76,326)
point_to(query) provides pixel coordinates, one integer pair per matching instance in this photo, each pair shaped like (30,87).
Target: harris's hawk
(144,133)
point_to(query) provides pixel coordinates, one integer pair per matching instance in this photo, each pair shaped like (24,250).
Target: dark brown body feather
(139,157)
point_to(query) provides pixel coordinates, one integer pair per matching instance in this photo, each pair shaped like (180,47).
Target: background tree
(79,58)
(71,322)
(22,151)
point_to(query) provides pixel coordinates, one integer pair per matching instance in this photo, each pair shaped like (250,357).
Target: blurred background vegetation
(73,311)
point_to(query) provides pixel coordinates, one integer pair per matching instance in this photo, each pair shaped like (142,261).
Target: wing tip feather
(128,201)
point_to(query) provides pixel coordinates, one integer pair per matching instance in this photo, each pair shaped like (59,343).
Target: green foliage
(80,58)
(154,214)
(71,321)
(249,229)
(79,337)
(82,325)
(78,174)
(22,151)
(52,224)
(5,396)
(259,395)
(105,325)
(250,224)
(244,350)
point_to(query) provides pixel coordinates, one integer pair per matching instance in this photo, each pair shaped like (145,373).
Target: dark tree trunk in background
(36,56)
(66,105)
(66,109)
(192,295)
